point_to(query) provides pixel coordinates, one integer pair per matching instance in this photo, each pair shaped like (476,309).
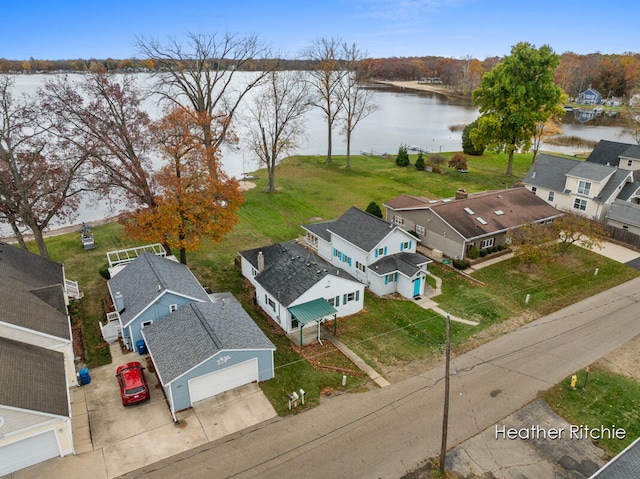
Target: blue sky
(383,28)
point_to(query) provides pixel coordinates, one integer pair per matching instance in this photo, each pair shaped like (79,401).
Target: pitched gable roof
(408,202)
(550,172)
(358,227)
(32,292)
(624,212)
(494,211)
(406,263)
(197,331)
(608,152)
(591,171)
(149,276)
(290,270)
(33,378)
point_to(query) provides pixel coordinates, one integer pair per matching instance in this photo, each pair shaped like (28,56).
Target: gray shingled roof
(405,263)
(33,378)
(149,276)
(32,292)
(625,212)
(591,171)
(624,466)
(358,227)
(632,152)
(629,190)
(618,178)
(608,152)
(290,270)
(195,332)
(550,172)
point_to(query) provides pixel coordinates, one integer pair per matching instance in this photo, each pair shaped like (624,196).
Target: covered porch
(311,314)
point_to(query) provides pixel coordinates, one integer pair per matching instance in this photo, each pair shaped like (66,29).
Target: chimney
(461,194)
(119,302)
(260,262)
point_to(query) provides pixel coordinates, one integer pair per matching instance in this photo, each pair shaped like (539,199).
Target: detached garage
(35,419)
(204,349)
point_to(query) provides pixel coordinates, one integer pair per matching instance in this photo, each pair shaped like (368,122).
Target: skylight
(470,211)
(481,220)
(499,212)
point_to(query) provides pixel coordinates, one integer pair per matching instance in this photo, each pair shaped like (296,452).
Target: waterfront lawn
(609,399)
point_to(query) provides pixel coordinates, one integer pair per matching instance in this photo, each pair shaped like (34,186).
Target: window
(381,251)
(145,324)
(584,187)
(172,307)
(405,245)
(348,297)
(294,323)
(580,204)
(391,278)
(360,266)
(420,230)
(625,227)
(534,189)
(551,196)
(331,301)
(399,220)
(271,303)
(629,162)
(487,243)
(312,240)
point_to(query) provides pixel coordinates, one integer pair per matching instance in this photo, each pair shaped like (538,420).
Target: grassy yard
(390,333)
(609,399)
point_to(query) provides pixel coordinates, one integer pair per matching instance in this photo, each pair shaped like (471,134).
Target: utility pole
(445,419)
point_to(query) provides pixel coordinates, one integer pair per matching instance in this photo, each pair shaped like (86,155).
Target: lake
(403,117)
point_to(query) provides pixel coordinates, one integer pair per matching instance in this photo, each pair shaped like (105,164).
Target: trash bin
(140,346)
(84,376)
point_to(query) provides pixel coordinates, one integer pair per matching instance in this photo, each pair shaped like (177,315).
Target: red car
(133,385)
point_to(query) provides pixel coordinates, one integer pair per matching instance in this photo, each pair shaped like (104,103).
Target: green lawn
(608,399)
(389,333)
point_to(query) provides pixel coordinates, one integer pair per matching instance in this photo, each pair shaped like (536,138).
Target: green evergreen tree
(419,162)
(374,209)
(402,159)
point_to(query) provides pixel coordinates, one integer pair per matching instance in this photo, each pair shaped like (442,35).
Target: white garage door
(220,381)
(28,452)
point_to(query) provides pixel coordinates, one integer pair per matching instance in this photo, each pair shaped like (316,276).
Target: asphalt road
(387,432)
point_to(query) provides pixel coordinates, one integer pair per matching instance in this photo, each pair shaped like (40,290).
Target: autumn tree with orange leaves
(197,199)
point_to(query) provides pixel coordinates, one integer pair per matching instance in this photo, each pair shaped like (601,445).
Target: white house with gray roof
(206,348)
(295,287)
(379,254)
(583,187)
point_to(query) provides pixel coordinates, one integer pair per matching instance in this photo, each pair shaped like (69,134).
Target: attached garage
(220,381)
(27,452)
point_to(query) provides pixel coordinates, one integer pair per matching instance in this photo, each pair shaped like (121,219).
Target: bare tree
(39,177)
(201,76)
(274,122)
(356,98)
(102,117)
(327,75)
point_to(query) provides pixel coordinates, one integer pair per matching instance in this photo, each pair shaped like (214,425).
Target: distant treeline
(613,75)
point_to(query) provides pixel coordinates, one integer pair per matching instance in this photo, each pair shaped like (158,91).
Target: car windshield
(137,390)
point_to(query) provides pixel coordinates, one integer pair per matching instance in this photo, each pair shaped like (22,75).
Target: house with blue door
(206,348)
(296,287)
(379,254)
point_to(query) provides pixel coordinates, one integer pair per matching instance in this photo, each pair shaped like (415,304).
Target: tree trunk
(329,132)
(348,164)
(510,164)
(39,237)
(18,234)
(183,255)
(271,184)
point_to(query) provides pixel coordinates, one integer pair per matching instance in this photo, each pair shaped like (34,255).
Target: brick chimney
(461,194)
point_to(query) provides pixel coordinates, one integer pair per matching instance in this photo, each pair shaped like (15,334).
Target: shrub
(402,159)
(461,264)
(374,209)
(483,253)
(458,161)
(473,252)
(419,162)
(437,160)
(467,145)
(104,271)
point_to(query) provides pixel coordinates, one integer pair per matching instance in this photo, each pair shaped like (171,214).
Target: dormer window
(172,307)
(584,187)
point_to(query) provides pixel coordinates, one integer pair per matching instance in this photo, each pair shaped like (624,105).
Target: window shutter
(376,252)
(385,250)
(386,279)
(401,246)
(410,244)
(349,261)
(337,301)
(344,299)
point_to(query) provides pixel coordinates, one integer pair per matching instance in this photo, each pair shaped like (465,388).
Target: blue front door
(416,287)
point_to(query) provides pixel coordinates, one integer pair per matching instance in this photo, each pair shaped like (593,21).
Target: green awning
(312,311)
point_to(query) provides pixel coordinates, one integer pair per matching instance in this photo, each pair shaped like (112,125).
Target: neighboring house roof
(148,277)
(32,292)
(629,190)
(608,152)
(408,202)
(195,332)
(591,171)
(619,177)
(488,213)
(290,270)
(406,263)
(623,466)
(33,378)
(632,152)
(549,172)
(358,227)
(624,212)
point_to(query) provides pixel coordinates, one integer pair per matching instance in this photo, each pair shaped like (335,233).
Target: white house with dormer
(379,254)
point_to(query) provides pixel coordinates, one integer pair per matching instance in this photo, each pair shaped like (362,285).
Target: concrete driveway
(111,439)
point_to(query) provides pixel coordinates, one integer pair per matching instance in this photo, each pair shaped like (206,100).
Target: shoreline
(416,85)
